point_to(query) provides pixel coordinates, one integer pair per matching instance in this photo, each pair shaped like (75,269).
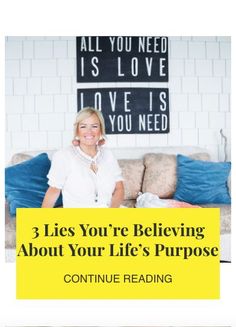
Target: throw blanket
(150,200)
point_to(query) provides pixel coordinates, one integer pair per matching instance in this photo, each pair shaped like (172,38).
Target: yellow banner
(118,254)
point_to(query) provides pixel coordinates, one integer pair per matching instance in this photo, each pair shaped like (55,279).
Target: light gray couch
(144,170)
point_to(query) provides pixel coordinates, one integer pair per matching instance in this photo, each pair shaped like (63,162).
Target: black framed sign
(129,110)
(122,59)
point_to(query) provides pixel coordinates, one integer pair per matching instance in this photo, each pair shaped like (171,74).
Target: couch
(151,170)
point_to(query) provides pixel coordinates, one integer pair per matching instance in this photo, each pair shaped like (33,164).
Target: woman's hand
(118,195)
(51,197)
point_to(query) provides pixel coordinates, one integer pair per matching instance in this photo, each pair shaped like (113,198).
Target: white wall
(41,94)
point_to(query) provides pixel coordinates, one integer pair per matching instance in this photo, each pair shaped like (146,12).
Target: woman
(86,173)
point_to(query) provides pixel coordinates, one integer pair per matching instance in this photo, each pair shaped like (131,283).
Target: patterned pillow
(160,173)
(20,157)
(132,171)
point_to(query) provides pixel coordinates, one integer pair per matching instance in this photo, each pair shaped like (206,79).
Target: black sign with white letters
(129,110)
(122,59)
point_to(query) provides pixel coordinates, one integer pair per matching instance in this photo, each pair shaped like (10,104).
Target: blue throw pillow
(201,182)
(26,183)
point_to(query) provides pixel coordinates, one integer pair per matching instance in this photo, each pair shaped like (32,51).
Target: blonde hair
(87,112)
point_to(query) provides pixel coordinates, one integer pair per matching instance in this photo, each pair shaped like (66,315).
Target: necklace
(92,162)
(94,167)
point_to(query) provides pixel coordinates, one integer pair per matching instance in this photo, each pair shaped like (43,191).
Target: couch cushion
(160,173)
(20,157)
(129,203)
(202,181)
(10,229)
(225,215)
(132,171)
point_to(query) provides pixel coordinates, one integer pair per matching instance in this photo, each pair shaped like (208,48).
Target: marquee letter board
(122,59)
(136,110)
(129,110)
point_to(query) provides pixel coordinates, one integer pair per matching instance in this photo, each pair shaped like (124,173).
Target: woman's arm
(118,195)
(51,197)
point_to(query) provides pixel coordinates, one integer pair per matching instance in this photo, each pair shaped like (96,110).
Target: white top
(82,188)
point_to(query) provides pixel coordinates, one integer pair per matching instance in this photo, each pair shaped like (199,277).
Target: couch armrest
(10,229)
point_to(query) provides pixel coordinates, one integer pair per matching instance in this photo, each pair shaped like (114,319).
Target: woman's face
(89,131)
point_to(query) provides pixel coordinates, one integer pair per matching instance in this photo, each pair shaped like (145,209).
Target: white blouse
(81,187)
